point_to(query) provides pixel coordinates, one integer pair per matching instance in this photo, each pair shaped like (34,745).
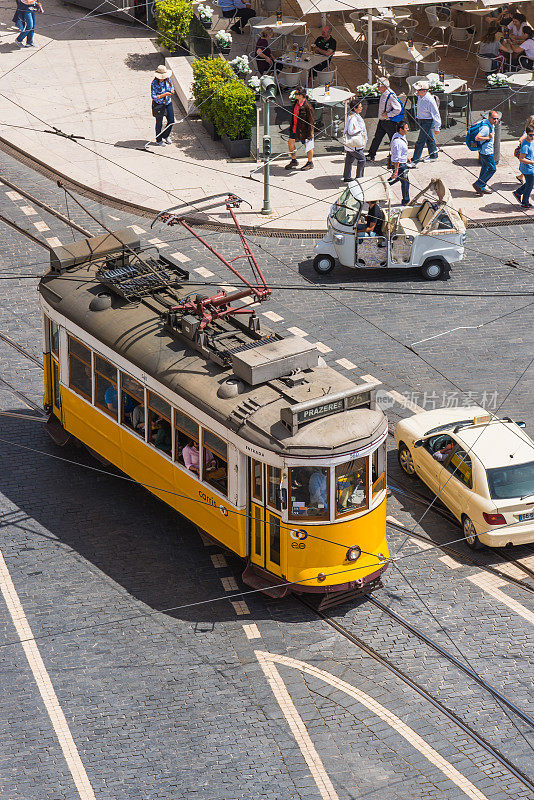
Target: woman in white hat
(161,91)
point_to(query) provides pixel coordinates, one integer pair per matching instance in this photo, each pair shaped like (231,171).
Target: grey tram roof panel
(136,332)
(274,360)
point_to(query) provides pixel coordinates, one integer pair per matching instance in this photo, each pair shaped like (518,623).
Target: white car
(482,469)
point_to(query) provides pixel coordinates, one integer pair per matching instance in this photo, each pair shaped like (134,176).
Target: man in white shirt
(428,122)
(399,161)
(390,113)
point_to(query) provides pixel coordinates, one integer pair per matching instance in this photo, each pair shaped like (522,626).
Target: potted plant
(173,18)
(254,84)
(368,90)
(241,66)
(234,110)
(436,86)
(497,81)
(223,40)
(205,15)
(209,74)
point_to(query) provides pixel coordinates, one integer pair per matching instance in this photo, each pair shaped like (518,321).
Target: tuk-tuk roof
(436,188)
(366,189)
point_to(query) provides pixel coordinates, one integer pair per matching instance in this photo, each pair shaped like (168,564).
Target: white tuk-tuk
(428,233)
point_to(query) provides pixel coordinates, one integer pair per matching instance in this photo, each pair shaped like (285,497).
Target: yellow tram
(248,434)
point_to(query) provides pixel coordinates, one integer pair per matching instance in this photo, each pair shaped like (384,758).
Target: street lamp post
(267,92)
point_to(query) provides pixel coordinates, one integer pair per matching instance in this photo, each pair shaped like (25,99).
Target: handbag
(356,142)
(517,151)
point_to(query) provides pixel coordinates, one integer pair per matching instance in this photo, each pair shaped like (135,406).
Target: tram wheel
(406,461)
(470,534)
(434,269)
(323,264)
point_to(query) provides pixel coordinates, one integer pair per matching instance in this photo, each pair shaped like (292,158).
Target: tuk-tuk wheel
(434,269)
(324,264)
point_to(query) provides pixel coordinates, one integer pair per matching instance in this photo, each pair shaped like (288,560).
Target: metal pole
(369,45)
(266,158)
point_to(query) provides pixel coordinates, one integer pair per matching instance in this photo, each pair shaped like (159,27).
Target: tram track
(512,768)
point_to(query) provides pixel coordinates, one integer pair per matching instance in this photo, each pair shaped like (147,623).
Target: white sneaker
(160,144)
(32,45)
(19,44)
(167,141)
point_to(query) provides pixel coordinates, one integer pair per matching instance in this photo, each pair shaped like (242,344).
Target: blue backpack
(473,131)
(400,115)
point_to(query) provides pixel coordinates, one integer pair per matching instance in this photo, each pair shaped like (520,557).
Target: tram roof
(136,332)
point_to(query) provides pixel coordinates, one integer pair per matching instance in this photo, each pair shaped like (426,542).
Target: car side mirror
(418,443)
(521,424)
(283,499)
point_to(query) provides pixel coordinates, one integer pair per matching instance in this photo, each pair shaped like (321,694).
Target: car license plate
(529,515)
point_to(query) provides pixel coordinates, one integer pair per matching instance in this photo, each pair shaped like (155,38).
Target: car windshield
(347,208)
(513,481)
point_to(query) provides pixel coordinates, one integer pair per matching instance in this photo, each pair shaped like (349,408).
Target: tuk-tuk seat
(413,219)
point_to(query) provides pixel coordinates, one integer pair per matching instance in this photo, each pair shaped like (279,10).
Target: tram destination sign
(295,416)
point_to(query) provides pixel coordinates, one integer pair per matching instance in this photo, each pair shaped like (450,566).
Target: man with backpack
(390,113)
(484,140)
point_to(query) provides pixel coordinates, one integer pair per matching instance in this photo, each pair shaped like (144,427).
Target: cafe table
(403,52)
(284,28)
(305,62)
(520,79)
(335,97)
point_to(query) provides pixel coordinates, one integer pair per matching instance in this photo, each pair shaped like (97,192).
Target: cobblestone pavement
(175,703)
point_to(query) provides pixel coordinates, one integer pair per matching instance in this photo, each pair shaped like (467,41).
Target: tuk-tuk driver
(374,221)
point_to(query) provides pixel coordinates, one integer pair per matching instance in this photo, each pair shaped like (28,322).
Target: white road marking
(14,196)
(393,519)
(136,229)
(44,684)
(251,631)
(297,331)
(205,273)
(308,751)
(528,561)
(218,560)
(371,379)
(512,571)
(180,257)
(54,242)
(158,242)
(229,584)
(297,726)
(404,402)
(41,226)
(117,219)
(450,562)
(422,545)
(240,607)
(28,210)
(272,316)
(322,348)
(344,362)
(490,585)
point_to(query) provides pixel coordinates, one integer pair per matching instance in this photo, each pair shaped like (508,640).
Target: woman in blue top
(24,19)
(526,167)
(161,91)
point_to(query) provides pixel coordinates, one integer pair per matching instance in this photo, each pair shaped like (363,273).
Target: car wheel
(323,264)
(470,534)
(434,269)
(406,461)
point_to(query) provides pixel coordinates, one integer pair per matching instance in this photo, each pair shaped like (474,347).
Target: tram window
(378,477)
(186,435)
(55,387)
(309,492)
(159,423)
(274,479)
(274,539)
(215,461)
(80,369)
(106,395)
(257,483)
(132,404)
(351,487)
(256,510)
(54,338)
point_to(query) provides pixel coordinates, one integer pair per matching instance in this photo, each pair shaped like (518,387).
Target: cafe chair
(379,53)
(411,80)
(271,6)
(427,67)
(406,31)
(436,23)
(287,80)
(299,39)
(359,29)
(522,97)
(463,35)
(458,103)
(380,36)
(324,77)
(221,24)
(396,69)
(485,65)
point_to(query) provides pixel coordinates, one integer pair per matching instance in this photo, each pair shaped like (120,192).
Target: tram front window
(378,475)
(352,492)
(309,492)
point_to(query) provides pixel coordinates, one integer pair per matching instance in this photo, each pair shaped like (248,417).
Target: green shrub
(209,75)
(234,110)
(173,18)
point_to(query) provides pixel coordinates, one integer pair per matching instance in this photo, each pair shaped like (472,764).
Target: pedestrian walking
(486,138)
(526,165)
(24,19)
(161,91)
(400,160)
(529,123)
(354,141)
(301,129)
(428,122)
(390,113)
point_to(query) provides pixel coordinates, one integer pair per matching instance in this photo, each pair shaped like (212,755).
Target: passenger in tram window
(161,434)
(138,419)
(191,457)
(318,489)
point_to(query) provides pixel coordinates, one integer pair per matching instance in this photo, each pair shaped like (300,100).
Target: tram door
(264,527)
(54,367)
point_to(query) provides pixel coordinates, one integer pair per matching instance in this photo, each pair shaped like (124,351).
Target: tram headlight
(353,553)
